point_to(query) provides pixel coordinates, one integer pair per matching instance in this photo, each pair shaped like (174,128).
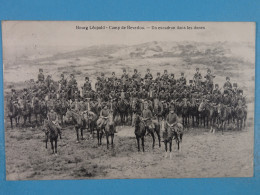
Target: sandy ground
(203,154)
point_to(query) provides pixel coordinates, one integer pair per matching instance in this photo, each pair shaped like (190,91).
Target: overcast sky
(28,34)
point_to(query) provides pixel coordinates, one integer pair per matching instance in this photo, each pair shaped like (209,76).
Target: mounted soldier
(148,75)
(53,118)
(62,82)
(197,77)
(147,117)
(182,80)
(227,84)
(41,75)
(209,80)
(104,113)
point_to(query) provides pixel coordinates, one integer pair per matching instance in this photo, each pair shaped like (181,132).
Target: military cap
(70,75)
(113,73)
(182,73)
(135,70)
(25,89)
(234,84)
(124,70)
(227,78)
(13,90)
(225,91)
(208,70)
(86,78)
(216,85)
(158,73)
(165,70)
(102,74)
(62,75)
(148,69)
(172,74)
(197,68)
(191,81)
(40,70)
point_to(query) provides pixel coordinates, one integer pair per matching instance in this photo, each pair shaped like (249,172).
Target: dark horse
(123,109)
(222,116)
(109,129)
(241,115)
(25,111)
(171,131)
(77,120)
(203,113)
(39,109)
(13,113)
(51,132)
(141,129)
(185,112)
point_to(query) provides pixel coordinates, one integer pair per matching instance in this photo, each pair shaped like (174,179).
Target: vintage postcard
(106,100)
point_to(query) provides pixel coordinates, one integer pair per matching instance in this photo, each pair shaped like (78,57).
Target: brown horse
(25,111)
(170,132)
(51,132)
(141,130)
(241,115)
(77,120)
(222,116)
(109,129)
(13,113)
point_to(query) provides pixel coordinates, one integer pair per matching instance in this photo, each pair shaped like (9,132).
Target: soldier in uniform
(53,118)
(235,89)
(71,86)
(62,82)
(147,116)
(148,75)
(165,76)
(172,79)
(197,77)
(182,79)
(171,118)
(227,84)
(209,80)
(14,95)
(104,113)
(87,86)
(41,75)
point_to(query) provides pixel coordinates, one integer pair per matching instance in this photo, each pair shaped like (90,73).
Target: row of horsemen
(125,98)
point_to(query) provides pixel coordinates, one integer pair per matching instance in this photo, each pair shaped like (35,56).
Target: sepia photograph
(128,100)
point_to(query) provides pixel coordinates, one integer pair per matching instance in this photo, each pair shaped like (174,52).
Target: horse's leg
(112,140)
(170,148)
(138,143)
(81,131)
(46,140)
(98,134)
(143,143)
(107,136)
(52,147)
(77,132)
(56,140)
(165,144)
(11,120)
(159,136)
(152,133)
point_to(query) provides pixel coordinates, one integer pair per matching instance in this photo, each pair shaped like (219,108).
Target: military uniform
(41,77)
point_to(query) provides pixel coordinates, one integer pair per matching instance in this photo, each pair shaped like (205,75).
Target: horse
(77,120)
(174,131)
(123,108)
(241,115)
(61,110)
(108,129)
(51,132)
(185,112)
(25,111)
(203,113)
(141,130)
(39,109)
(91,121)
(157,109)
(212,108)
(13,113)
(193,112)
(222,116)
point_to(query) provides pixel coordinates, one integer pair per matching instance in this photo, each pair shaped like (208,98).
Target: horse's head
(136,120)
